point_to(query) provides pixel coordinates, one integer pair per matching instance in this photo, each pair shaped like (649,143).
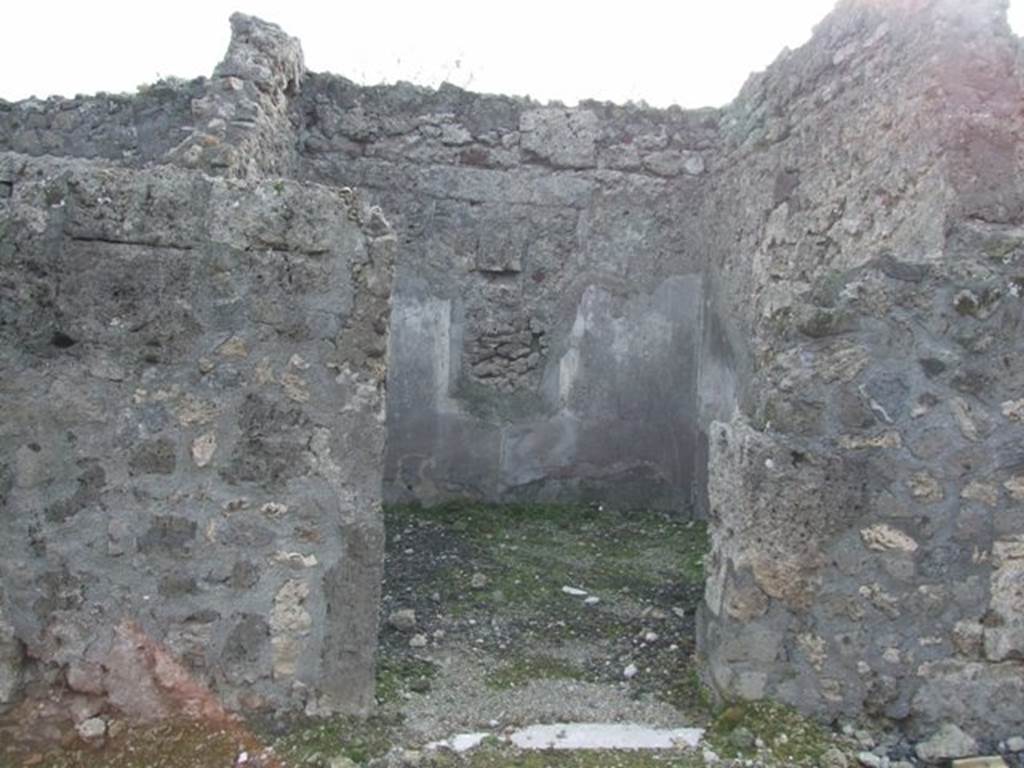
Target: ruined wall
(863,480)
(131,130)
(191,377)
(235,123)
(549,298)
(802,309)
(549,303)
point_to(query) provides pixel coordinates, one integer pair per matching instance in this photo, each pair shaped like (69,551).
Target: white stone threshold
(627,736)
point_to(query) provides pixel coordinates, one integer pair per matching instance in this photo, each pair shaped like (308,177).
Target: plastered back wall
(549,297)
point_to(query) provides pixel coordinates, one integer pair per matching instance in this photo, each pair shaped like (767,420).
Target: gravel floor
(542,614)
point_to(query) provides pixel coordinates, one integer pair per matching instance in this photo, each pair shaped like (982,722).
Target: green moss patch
(522,670)
(463,566)
(528,552)
(1001,249)
(791,738)
(398,676)
(313,741)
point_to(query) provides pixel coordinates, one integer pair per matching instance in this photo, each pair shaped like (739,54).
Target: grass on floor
(522,670)
(528,552)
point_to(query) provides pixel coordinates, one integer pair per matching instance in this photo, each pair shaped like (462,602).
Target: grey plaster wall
(609,419)
(548,306)
(192,387)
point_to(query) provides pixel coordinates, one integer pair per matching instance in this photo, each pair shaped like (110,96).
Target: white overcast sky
(688,52)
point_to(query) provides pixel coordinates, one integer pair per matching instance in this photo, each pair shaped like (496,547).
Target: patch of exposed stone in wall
(815,648)
(504,350)
(290,623)
(889,439)
(884,601)
(884,538)
(1013,410)
(926,488)
(203,448)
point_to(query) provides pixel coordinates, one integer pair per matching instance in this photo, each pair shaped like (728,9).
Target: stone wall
(131,130)
(863,481)
(799,313)
(190,455)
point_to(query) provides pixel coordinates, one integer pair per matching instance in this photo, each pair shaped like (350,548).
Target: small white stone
(949,742)
(693,164)
(592,600)
(403,620)
(884,537)
(203,448)
(1015,744)
(296,559)
(630,672)
(651,637)
(418,641)
(243,758)
(460,743)
(93,728)
(274,509)
(575,591)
